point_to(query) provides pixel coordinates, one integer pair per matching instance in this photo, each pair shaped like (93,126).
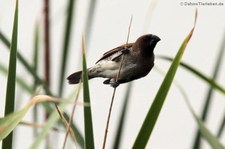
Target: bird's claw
(125,51)
(114,84)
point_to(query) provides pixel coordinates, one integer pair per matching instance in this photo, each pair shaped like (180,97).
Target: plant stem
(47,41)
(114,91)
(47,54)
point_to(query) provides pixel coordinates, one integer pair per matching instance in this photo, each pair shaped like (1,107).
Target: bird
(137,61)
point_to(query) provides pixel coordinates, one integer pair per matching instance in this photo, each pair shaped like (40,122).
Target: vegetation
(55,104)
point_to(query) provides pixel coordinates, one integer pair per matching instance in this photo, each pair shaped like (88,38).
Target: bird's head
(146,44)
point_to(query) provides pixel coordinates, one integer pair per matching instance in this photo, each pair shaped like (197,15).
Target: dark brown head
(145,44)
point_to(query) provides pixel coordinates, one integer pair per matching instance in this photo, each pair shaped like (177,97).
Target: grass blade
(9,122)
(221,127)
(11,81)
(66,43)
(222,124)
(89,20)
(47,90)
(154,111)
(35,67)
(88,127)
(36,54)
(25,64)
(122,118)
(53,118)
(197,73)
(212,140)
(208,100)
(30,69)
(40,81)
(19,80)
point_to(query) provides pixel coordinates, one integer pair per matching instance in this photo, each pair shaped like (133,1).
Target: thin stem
(47,41)
(114,91)
(111,104)
(108,119)
(71,117)
(128,35)
(47,54)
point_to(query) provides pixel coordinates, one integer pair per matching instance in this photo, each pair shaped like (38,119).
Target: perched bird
(137,62)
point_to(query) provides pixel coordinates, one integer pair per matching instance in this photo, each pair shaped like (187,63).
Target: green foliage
(11,82)
(211,139)
(154,111)
(53,118)
(88,127)
(66,43)
(8,123)
(199,74)
(12,119)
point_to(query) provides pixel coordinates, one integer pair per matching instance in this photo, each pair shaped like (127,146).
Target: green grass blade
(10,121)
(10,93)
(122,118)
(197,73)
(208,100)
(221,127)
(210,138)
(32,72)
(50,124)
(40,81)
(19,80)
(89,20)
(88,127)
(35,67)
(154,111)
(35,54)
(25,64)
(52,120)
(222,124)
(66,43)
(11,81)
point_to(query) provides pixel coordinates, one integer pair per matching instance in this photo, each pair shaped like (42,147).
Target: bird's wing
(115,53)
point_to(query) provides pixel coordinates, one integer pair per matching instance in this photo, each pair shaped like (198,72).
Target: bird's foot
(125,51)
(114,84)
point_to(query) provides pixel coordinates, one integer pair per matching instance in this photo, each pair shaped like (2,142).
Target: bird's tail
(76,77)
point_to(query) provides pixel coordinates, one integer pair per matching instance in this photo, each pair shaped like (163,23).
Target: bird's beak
(155,38)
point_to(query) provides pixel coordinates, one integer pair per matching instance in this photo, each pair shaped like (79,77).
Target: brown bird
(138,61)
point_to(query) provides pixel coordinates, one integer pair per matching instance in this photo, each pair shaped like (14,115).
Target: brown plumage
(138,61)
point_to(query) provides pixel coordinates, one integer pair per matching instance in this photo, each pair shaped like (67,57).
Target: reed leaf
(66,43)
(208,80)
(154,111)
(88,126)
(11,80)
(10,121)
